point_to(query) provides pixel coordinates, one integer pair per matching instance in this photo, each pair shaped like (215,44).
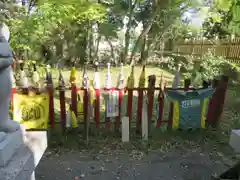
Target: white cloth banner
(112,104)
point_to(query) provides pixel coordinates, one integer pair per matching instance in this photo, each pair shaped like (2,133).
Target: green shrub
(211,66)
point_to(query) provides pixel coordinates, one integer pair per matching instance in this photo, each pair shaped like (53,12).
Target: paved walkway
(70,166)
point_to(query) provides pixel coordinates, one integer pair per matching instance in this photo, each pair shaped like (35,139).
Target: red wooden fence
(214,110)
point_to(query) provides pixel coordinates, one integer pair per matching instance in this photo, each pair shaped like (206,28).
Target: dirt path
(70,166)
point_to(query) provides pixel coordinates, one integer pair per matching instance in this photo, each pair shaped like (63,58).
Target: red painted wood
(62,107)
(14,90)
(107,119)
(51,106)
(118,118)
(129,104)
(97,108)
(150,104)
(74,98)
(139,110)
(160,108)
(85,108)
(211,102)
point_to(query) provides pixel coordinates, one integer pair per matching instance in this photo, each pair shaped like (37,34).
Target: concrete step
(26,158)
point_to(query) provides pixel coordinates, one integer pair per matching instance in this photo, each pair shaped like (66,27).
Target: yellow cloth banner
(32,111)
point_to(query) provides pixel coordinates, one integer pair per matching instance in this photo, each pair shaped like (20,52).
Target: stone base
(27,157)
(234,140)
(9,146)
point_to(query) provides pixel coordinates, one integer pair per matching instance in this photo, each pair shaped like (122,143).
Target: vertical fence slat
(62,107)
(187,83)
(139,110)
(73,89)
(74,97)
(51,105)
(97,108)
(86,114)
(150,94)
(130,86)
(61,85)
(50,90)
(212,103)
(118,118)
(220,97)
(160,108)
(129,104)
(142,82)
(107,119)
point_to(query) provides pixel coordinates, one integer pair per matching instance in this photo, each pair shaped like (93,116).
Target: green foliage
(223,18)
(9,10)
(211,66)
(60,31)
(54,25)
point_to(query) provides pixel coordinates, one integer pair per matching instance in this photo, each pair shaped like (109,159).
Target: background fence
(229,48)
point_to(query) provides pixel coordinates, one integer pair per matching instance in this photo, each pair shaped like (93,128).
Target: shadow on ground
(175,165)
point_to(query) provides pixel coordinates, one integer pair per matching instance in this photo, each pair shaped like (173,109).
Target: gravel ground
(178,166)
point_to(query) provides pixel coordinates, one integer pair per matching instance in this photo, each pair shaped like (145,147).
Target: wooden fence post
(96,84)
(139,109)
(108,90)
(212,103)
(160,108)
(141,85)
(150,98)
(97,108)
(61,85)
(187,83)
(119,87)
(217,102)
(222,88)
(130,86)
(161,99)
(86,113)
(73,90)
(119,117)
(51,97)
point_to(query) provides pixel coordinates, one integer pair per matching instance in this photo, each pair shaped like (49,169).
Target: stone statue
(6,59)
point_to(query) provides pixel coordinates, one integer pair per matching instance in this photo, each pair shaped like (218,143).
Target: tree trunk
(143,51)
(143,34)
(59,49)
(90,43)
(83,53)
(112,50)
(95,56)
